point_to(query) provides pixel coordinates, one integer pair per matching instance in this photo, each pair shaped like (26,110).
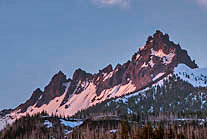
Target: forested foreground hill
(144,126)
(39,126)
(127,129)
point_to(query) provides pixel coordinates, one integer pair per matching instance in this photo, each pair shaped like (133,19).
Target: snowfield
(71,123)
(196,77)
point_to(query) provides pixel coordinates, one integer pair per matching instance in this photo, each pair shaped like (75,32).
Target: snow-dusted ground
(66,123)
(68,131)
(114,130)
(5,120)
(48,124)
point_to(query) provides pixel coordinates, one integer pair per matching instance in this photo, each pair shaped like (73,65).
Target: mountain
(154,62)
(183,91)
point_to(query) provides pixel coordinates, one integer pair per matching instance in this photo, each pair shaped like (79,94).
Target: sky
(40,37)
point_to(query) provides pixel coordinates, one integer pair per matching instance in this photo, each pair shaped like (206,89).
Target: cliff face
(54,89)
(155,60)
(158,56)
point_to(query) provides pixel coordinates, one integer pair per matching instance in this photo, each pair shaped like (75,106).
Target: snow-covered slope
(197,77)
(77,101)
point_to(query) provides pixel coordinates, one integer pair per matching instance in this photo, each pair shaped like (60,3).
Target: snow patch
(48,124)
(40,97)
(137,57)
(158,76)
(144,65)
(6,120)
(151,109)
(151,63)
(168,58)
(71,124)
(107,76)
(114,130)
(67,131)
(159,53)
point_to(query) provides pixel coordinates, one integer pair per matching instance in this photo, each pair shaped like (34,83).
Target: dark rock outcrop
(109,81)
(81,75)
(54,89)
(31,101)
(78,83)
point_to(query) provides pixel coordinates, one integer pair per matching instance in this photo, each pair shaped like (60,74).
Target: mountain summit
(154,61)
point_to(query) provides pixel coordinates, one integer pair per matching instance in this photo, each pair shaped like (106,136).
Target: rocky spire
(81,75)
(54,89)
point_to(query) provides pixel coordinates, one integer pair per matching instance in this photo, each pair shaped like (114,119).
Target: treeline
(162,131)
(125,129)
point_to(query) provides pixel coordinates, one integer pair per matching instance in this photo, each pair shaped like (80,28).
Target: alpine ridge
(64,96)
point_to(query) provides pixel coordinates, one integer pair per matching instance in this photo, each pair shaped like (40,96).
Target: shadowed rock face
(158,55)
(31,101)
(80,75)
(111,79)
(54,89)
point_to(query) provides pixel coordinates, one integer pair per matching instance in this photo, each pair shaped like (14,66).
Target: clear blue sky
(40,37)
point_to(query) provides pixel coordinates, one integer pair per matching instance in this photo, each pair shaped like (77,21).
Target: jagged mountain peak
(58,76)
(54,89)
(159,45)
(81,75)
(153,62)
(107,69)
(56,82)
(37,90)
